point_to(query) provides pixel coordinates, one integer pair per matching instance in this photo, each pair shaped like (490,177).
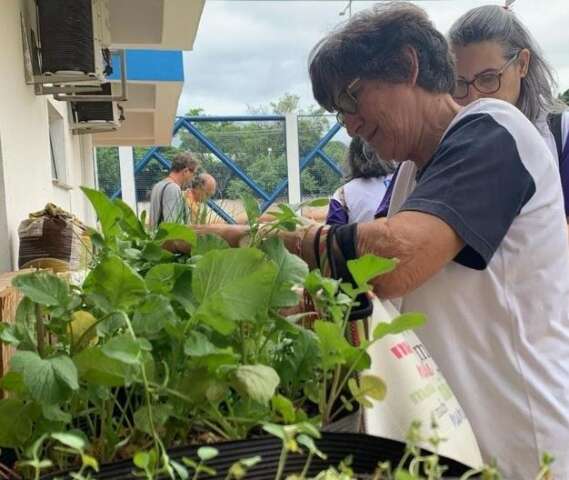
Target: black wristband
(345,237)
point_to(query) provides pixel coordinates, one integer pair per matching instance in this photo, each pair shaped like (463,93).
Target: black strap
(345,237)
(161,215)
(554,122)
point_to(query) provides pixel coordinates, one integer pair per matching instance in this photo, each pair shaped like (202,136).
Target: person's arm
(422,243)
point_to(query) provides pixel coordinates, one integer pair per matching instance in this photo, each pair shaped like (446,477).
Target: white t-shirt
(499,313)
(405,179)
(357,200)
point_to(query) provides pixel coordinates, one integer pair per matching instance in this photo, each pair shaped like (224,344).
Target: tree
(108,169)
(258,148)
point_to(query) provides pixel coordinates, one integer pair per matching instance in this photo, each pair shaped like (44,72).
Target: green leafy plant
(173,339)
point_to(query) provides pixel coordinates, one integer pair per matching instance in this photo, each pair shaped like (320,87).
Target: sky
(250,53)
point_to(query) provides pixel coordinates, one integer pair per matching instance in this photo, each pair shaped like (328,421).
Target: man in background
(167,203)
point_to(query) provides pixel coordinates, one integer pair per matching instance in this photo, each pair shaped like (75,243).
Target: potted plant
(157,350)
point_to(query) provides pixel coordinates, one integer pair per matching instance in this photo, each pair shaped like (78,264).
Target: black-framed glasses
(347,102)
(485,82)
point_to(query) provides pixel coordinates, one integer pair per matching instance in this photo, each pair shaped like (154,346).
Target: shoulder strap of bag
(554,122)
(161,214)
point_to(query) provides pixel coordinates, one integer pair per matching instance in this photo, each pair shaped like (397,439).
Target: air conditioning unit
(66,42)
(96,116)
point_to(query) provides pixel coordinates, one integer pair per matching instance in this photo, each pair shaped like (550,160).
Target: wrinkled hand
(232,234)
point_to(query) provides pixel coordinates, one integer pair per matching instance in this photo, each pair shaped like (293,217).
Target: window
(57,145)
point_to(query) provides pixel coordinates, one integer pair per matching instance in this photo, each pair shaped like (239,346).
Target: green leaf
(275,430)
(309,443)
(298,364)
(70,440)
(291,270)
(406,321)
(232,285)
(107,212)
(404,475)
(160,415)
(43,288)
(8,334)
(55,414)
(207,453)
(251,208)
(48,380)
(90,462)
(123,348)
(176,231)
(97,368)
(12,382)
(153,252)
(141,460)
(333,344)
(284,407)
(152,315)
(258,382)
(129,222)
(117,282)
(15,423)
(113,322)
(180,470)
(209,242)
(316,202)
(365,268)
(25,326)
(366,388)
(162,278)
(198,345)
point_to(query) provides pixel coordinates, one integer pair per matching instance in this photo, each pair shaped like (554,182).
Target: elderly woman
(480,241)
(496,57)
(367,181)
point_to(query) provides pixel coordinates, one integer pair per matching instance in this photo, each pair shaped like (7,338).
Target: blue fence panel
(190,125)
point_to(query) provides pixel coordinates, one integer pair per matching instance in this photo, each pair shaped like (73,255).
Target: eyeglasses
(347,102)
(487,83)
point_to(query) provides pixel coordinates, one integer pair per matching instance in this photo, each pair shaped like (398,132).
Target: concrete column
(128,189)
(292,158)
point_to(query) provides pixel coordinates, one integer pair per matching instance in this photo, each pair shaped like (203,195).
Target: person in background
(497,57)
(367,180)
(202,188)
(167,202)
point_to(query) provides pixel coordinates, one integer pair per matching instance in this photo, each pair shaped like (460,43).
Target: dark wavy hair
(371,45)
(363,162)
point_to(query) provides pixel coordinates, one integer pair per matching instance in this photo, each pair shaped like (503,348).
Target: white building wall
(27,183)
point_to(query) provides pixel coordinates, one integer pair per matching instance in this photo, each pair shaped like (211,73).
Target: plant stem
(160,449)
(40,331)
(306,466)
(282,462)
(333,394)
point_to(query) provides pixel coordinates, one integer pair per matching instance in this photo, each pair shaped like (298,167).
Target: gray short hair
(492,23)
(371,46)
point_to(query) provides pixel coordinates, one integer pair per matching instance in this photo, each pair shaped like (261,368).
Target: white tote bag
(416,390)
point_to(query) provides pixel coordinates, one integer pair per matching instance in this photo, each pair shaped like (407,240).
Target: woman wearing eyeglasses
(367,181)
(480,241)
(496,57)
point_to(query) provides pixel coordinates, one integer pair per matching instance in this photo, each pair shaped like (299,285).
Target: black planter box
(366,452)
